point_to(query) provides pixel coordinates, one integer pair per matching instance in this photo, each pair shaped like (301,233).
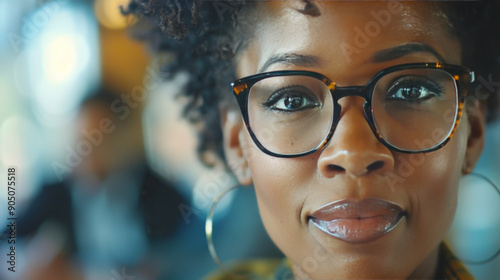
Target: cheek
(281,186)
(430,182)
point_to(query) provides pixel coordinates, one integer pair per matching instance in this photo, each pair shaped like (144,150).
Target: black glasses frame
(463,77)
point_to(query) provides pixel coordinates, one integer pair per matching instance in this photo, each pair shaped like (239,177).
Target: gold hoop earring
(209,235)
(475,187)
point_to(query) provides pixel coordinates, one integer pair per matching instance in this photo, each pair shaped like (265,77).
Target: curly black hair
(205,36)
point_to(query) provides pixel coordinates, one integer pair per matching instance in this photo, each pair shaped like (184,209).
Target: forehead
(349,35)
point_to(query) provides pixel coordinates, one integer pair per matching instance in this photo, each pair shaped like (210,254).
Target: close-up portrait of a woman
(275,140)
(353,121)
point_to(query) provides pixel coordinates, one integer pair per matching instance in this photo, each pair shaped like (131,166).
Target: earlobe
(475,142)
(232,128)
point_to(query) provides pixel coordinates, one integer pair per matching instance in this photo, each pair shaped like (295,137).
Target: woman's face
(349,43)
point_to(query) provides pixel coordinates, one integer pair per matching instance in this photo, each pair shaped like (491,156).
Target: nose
(353,149)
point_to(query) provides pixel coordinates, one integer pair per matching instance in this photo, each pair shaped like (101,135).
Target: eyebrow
(292,59)
(406,49)
(380,56)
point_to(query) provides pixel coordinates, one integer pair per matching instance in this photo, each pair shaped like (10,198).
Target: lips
(358,221)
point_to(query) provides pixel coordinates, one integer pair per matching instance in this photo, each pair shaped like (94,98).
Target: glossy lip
(358,221)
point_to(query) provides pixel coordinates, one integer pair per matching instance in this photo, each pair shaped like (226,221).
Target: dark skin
(288,190)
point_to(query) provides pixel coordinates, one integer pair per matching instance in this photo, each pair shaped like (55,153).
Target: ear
(475,142)
(234,143)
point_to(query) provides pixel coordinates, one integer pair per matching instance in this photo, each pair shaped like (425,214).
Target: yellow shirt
(450,268)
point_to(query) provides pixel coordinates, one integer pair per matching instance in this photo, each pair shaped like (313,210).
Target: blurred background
(109,185)
(108,182)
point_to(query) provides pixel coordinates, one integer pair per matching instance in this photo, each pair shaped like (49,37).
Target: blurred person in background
(112,210)
(76,228)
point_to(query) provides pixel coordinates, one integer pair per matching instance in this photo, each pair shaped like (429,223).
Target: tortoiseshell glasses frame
(462,77)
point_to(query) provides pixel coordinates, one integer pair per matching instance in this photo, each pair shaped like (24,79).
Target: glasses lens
(415,109)
(290,114)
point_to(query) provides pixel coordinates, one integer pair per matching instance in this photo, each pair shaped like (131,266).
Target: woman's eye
(293,103)
(290,100)
(413,91)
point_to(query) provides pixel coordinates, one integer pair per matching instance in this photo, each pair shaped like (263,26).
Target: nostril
(337,168)
(374,166)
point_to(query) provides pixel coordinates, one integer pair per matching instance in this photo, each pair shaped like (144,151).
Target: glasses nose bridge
(341,92)
(361,91)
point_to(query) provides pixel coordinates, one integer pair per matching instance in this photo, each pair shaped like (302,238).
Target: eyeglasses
(411,108)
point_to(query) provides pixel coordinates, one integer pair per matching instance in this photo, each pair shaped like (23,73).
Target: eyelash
(411,81)
(282,92)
